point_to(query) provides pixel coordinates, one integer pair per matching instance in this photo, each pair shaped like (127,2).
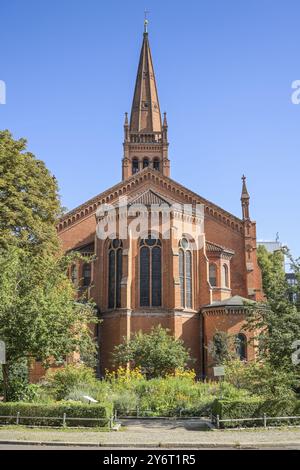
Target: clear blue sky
(224,70)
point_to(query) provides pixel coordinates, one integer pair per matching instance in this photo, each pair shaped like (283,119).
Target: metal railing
(137,413)
(16,419)
(263,419)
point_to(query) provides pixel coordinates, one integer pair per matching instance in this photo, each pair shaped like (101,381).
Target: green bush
(100,391)
(42,411)
(260,379)
(62,381)
(255,408)
(19,388)
(169,396)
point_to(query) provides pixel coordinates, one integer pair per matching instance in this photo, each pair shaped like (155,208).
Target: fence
(16,419)
(263,419)
(136,413)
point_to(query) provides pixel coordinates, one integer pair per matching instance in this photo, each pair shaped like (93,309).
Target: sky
(224,71)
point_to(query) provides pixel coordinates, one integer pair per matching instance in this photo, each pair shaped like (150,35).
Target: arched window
(86,274)
(225,275)
(135,166)
(156,164)
(185,274)
(145,162)
(74,274)
(213,275)
(241,346)
(150,272)
(114,273)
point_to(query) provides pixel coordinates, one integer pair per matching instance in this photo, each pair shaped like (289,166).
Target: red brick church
(141,282)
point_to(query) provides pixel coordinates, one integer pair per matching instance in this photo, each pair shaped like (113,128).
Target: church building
(140,282)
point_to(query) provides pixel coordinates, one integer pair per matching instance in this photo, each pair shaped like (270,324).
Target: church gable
(149,198)
(148,178)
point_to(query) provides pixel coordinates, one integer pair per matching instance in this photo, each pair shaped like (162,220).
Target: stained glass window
(86,274)
(181,278)
(185,274)
(225,276)
(241,346)
(213,275)
(114,273)
(150,273)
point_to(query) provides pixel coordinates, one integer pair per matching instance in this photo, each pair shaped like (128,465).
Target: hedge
(56,410)
(256,408)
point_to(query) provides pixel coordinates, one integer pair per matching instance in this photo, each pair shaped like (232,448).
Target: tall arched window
(86,274)
(185,274)
(135,166)
(213,275)
(241,346)
(156,164)
(145,162)
(225,275)
(114,273)
(150,272)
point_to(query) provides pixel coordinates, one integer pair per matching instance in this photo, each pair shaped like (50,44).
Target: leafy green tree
(278,320)
(39,314)
(29,202)
(157,353)
(222,348)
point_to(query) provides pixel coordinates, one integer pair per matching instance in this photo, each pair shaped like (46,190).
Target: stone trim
(219,311)
(147,174)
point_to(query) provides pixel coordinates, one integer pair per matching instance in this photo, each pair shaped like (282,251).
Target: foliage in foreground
(128,390)
(278,320)
(261,379)
(39,316)
(255,407)
(101,411)
(156,353)
(29,201)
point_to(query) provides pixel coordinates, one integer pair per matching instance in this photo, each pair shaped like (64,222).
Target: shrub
(125,402)
(156,353)
(19,388)
(100,391)
(255,408)
(55,410)
(180,395)
(62,381)
(260,379)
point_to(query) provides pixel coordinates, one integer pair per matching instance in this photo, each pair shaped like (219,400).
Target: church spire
(245,198)
(145,137)
(145,111)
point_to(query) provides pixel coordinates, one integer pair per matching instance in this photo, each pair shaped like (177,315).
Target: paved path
(167,435)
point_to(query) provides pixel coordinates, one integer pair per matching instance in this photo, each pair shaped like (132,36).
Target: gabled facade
(139,282)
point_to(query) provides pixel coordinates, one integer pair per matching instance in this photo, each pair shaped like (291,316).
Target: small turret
(245,200)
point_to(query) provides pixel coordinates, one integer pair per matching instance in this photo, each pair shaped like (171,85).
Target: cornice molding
(185,195)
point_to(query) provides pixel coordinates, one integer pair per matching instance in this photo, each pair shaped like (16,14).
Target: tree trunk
(5,380)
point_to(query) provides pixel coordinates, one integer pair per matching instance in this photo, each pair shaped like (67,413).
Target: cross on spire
(146,21)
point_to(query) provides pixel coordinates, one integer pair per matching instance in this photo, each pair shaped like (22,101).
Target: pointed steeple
(145,137)
(145,111)
(245,198)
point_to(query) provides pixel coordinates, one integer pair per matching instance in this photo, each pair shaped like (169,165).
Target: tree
(39,314)
(29,202)
(222,348)
(278,320)
(156,353)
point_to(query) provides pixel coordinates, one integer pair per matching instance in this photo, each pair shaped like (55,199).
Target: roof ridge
(152,172)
